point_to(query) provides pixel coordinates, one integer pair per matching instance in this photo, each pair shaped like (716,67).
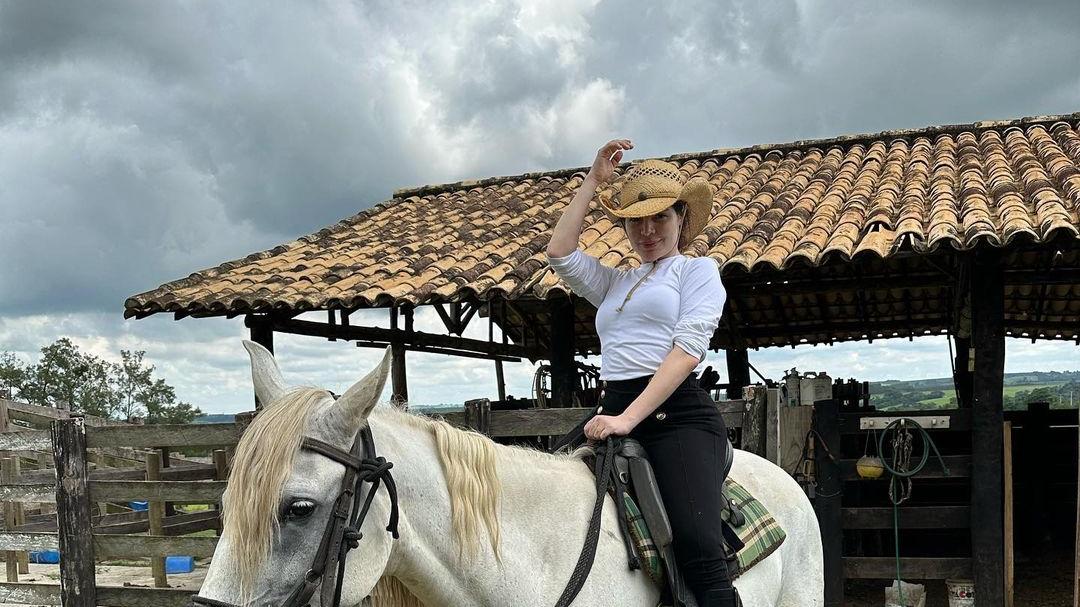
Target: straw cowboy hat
(654,185)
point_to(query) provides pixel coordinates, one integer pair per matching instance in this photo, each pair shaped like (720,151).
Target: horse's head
(281,496)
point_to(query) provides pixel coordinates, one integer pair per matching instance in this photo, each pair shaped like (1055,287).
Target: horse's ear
(358,401)
(269,385)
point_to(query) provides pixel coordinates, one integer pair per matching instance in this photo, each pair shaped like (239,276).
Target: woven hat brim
(643,208)
(696,193)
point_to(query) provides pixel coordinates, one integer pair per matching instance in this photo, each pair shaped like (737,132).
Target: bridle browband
(343,529)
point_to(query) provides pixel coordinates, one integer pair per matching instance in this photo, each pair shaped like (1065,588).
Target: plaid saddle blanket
(760,534)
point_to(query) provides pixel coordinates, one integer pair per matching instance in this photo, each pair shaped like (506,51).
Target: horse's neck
(540,497)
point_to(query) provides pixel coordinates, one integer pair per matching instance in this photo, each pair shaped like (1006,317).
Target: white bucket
(815,386)
(961,593)
(914,595)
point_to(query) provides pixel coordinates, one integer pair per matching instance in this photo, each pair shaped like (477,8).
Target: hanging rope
(901,470)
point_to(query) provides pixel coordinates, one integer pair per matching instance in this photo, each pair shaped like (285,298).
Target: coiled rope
(901,470)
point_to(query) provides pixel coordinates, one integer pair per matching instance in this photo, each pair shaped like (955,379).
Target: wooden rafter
(410,339)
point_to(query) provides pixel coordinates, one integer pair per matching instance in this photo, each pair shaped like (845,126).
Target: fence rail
(554,422)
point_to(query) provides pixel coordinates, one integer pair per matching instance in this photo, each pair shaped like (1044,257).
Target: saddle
(634,475)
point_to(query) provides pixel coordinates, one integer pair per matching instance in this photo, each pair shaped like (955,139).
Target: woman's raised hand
(603,167)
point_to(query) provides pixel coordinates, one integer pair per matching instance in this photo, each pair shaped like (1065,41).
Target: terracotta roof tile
(775,207)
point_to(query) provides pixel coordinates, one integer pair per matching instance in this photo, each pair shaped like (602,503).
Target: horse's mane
(264,460)
(471,462)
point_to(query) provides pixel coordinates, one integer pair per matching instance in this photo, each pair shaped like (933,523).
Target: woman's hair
(680,209)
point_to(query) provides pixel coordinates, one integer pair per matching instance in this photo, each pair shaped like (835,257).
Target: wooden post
(499,380)
(827,500)
(400,396)
(156,514)
(262,330)
(262,333)
(1076,546)
(221,473)
(78,581)
(1009,562)
(166,461)
(1039,528)
(10,558)
(478,415)
(563,372)
(738,371)
(20,518)
(987,484)
(962,379)
(772,425)
(755,420)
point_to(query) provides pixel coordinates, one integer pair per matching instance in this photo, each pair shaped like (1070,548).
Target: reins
(606,477)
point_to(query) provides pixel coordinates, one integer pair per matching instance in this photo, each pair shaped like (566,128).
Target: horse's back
(798,562)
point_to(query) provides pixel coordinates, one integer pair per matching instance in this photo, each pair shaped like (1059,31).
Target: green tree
(12,374)
(140,395)
(66,377)
(163,408)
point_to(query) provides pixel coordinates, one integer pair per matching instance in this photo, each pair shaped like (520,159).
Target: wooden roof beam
(410,339)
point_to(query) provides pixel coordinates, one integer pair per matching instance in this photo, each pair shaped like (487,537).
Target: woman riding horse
(655,322)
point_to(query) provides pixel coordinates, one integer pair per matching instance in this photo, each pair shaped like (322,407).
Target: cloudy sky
(142,141)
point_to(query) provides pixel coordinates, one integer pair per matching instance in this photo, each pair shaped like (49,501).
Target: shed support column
(499,380)
(398,378)
(563,373)
(963,376)
(738,372)
(261,327)
(827,500)
(397,372)
(987,482)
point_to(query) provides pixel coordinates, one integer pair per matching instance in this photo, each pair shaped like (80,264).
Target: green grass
(1012,390)
(1009,391)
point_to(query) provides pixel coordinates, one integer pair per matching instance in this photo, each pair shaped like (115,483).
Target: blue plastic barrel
(49,557)
(179,564)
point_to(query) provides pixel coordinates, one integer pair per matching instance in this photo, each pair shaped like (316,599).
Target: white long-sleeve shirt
(679,304)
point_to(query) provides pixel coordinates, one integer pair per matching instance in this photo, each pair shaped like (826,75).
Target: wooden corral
(78,501)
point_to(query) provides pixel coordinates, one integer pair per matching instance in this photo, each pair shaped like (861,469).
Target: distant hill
(214,418)
(1060,388)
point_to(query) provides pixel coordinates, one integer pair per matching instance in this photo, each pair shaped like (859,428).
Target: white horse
(480,523)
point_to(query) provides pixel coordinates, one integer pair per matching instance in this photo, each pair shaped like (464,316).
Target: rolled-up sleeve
(585,274)
(701,302)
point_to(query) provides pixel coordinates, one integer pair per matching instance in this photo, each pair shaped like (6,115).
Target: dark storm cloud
(140,141)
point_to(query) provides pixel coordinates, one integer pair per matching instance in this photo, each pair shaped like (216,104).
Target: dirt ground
(1046,582)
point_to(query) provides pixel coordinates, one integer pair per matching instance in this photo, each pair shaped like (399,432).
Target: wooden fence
(746,417)
(80,481)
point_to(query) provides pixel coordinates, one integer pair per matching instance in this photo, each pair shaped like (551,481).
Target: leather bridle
(342,531)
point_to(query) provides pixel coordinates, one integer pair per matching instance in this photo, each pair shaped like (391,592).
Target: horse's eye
(300,509)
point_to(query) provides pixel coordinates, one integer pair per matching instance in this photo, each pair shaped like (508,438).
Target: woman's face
(655,236)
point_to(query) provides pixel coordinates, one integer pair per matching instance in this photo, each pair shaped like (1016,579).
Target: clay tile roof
(776,207)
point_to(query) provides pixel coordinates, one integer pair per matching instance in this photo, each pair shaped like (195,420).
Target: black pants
(686,441)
